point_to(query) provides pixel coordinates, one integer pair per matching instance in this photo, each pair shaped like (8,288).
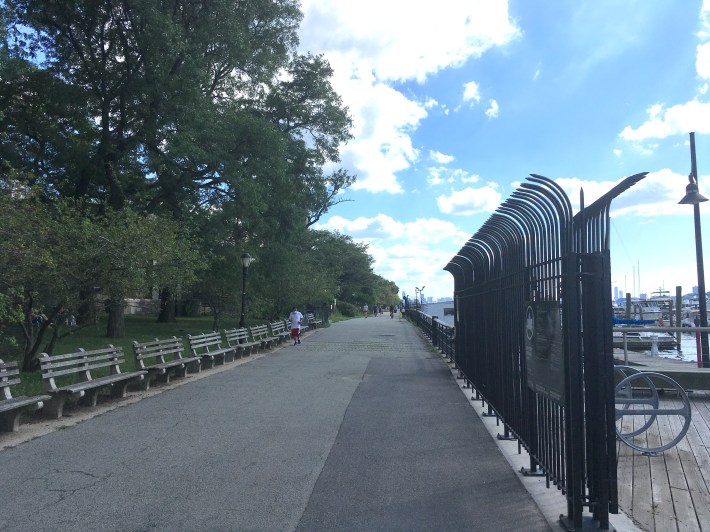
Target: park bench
(311,320)
(238,339)
(280,330)
(70,376)
(163,358)
(261,334)
(208,346)
(11,407)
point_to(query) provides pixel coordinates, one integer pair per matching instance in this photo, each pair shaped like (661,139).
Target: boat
(646,309)
(640,309)
(643,341)
(640,340)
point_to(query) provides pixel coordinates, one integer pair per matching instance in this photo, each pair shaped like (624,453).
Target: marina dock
(669,491)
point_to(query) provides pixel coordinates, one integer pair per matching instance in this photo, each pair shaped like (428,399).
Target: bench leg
(181,371)
(194,367)
(90,398)
(229,357)
(118,390)
(10,421)
(54,407)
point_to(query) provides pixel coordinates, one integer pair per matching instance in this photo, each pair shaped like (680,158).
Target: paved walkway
(361,427)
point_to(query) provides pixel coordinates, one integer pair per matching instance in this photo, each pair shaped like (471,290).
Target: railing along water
(523,286)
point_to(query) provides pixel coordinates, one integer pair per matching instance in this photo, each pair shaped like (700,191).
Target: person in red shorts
(295,318)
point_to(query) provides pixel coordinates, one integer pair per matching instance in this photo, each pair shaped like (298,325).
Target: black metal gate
(532,295)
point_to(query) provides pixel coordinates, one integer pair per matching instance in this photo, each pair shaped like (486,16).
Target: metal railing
(532,336)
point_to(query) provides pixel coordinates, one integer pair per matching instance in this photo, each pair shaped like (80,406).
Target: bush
(348,309)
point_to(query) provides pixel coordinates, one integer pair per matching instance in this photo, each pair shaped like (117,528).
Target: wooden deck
(669,491)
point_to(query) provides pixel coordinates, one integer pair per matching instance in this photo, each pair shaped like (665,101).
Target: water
(688,350)
(437,309)
(687,353)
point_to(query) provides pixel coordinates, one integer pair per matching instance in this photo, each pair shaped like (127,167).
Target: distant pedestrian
(365,309)
(295,319)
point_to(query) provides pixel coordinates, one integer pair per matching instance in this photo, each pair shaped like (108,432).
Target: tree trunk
(86,313)
(215,320)
(49,348)
(167,306)
(116,326)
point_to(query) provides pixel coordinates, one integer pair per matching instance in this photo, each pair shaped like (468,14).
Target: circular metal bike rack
(637,396)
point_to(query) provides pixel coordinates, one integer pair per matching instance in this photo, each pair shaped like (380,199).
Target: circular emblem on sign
(529,323)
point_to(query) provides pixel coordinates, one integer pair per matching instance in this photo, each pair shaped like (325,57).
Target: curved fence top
(524,228)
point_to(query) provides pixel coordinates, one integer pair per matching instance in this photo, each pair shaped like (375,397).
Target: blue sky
(456,102)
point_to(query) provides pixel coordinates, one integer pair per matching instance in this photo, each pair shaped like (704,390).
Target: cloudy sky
(456,102)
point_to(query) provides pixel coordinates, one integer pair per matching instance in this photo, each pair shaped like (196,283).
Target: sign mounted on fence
(544,349)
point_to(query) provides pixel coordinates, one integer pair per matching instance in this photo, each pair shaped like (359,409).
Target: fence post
(435,331)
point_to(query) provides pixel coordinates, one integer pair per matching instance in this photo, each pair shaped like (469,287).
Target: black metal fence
(532,335)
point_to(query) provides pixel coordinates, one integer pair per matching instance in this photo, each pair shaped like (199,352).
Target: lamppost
(418,295)
(246,261)
(421,295)
(694,198)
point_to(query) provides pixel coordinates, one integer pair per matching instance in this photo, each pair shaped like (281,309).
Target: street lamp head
(246,260)
(692,196)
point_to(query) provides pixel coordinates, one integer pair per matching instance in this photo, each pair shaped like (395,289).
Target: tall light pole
(246,261)
(694,198)
(418,295)
(421,295)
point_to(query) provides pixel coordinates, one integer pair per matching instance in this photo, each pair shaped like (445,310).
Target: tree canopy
(172,132)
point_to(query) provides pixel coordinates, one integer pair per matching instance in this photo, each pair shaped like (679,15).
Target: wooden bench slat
(8,382)
(93,383)
(80,364)
(83,353)
(21,402)
(12,407)
(79,361)
(77,369)
(239,340)
(164,358)
(201,346)
(261,334)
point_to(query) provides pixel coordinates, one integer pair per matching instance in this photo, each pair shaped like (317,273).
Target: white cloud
(471,92)
(470,200)
(678,119)
(657,194)
(401,254)
(492,111)
(403,42)
(702,61)
(441,158)
(617,152)
(406,41)
(684,117)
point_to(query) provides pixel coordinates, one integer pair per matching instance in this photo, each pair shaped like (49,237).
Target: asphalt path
(361,427)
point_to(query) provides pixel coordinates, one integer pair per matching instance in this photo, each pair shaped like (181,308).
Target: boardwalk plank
(696,485)
(642,503)
(663,514)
